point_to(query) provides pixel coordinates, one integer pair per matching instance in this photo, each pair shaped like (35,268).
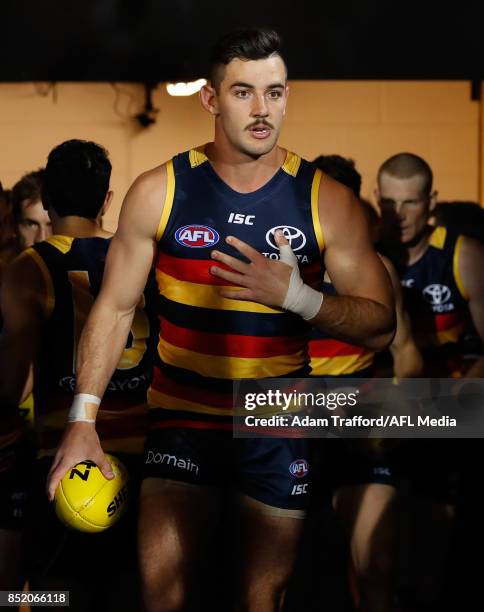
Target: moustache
(260,122)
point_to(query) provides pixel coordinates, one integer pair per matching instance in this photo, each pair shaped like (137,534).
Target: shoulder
(26,280)
(339,208)
(144,202)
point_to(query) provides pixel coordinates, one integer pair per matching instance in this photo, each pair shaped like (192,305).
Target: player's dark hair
(342,170)
(76,179)
(243,44)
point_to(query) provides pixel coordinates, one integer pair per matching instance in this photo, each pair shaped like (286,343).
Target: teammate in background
(442,277)
(441,271)
(362,472)
(46,296)
(330,357)
(32,223)
(227,312)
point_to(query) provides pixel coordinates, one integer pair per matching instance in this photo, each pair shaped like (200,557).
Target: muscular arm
(23,300)
(407,360)
(128,263)
(471,266)
(104,335)
(362,312)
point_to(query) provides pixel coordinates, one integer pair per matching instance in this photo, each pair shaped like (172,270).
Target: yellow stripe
(215,366)
(61,243)
(437,239)
(455,266)
(170,196)
(197,157)
(342,365)
(49,301)
(156,399)
(291,163)
(205,296)
(450,335)
(315,209)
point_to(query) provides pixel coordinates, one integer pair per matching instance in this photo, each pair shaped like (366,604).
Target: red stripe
(198,270)
(191,270)
(328,347)
(229,345)
(439,322)
(165,385)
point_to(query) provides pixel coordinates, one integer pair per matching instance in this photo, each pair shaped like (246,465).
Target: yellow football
(87,501)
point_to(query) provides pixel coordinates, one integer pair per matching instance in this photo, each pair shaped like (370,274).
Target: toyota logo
(293,235)
(436,294)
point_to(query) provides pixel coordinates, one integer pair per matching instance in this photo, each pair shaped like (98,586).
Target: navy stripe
(232,321)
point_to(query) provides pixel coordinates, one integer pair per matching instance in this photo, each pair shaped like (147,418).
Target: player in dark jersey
(47,294)
(361,473)
(442,278)
(221,319)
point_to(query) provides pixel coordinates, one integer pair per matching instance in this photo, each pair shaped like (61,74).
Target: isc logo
(196,236)
(118,501)
(299,489)
(241,219)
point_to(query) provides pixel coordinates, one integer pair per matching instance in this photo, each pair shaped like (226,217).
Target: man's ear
(107,203)
(376,197)
(433,200)
(209,99)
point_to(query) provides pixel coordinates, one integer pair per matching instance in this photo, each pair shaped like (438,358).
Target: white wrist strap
(84,408)
(300,298)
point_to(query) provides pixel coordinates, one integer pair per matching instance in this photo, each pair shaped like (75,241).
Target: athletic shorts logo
(299,468)
(197,236)
(436,294)
(293,235)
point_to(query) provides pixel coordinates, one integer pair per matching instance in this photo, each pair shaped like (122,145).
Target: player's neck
(240,171)
(78,227)
(416,249)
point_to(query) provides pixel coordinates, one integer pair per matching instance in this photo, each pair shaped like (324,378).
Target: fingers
(238,294)
(105,467)
(244,248)
(232,262)
(231,277)
(281,240)
(287,256)
(56,474)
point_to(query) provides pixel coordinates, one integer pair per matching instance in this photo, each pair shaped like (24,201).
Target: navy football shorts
(274,471)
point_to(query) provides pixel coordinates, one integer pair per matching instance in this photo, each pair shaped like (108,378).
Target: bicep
(133,247)
(352,263)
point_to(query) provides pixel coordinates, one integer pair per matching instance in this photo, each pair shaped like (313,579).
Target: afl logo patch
(299,468)
(196,236)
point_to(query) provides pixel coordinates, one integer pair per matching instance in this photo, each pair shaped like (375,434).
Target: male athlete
(46,296)
(361,472)
(30,224)
(229,309)
(442,277)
